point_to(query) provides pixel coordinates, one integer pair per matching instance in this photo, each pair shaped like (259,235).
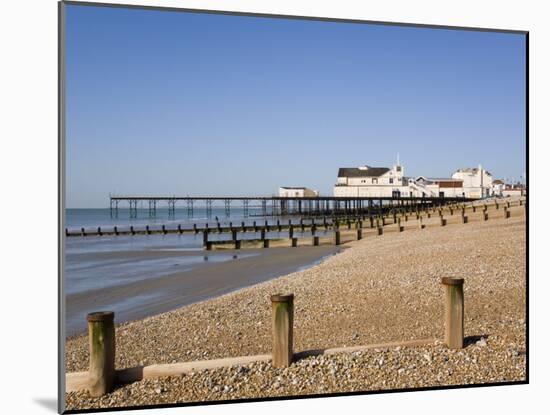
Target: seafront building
(290,191)
(367,181)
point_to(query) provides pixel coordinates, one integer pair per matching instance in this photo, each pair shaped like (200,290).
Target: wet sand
(147,297)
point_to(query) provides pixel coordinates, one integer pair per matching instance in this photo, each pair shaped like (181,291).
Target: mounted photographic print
(257,207)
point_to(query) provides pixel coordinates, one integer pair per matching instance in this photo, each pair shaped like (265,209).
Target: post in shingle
(291,232)
(313,229)
(485,216)
(371,220)
(337,237)
(506,213)
(454,312)
(443,221)
(99,231)
(315,241)
(262,234)
(243,227)
(474,208)
(266,243)
(380,230)
(164,229)
(294,242)
(279,225)
(233,234)
(282,314)
(349,224)
(101,335)
(237,244)
(132,231)
(115,229)
(204,237)
(421,225)
(179,228)
(464,218)
(147,231)
(255,226)
(359,234)
(195,228)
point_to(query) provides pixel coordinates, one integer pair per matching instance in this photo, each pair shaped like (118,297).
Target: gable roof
(357,172)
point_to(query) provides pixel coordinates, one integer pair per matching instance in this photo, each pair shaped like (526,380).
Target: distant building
(287,191)
(367,181)
(498,187)
(477,182)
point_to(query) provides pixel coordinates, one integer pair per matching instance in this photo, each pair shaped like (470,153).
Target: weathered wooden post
(313,229)
(279,225)
(384,220)
(506,213)
(291,232)
(380,230)
(474,208)
(371,220)
(132,231)
(508,204)
(237,244)
(266,243)
(429,215)
(496,205)
(315,241)
(208,245)
(337,237)
(101,335)
(147,231)
(255,227)
(421,225)
(401,228)
(243,227)
(195,228)
(520,202)
(359,234)
(443,221)
(294,242)
(115,229)
(204,237)
(485,216)
(99,231)
(233,234)
(349,224)
(219,227)
(262,234)
(454,312)
(179,228)
(164,229)
(464,218)
(282,313)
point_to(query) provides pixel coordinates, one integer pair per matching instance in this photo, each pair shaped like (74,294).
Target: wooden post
(464,219)
(266,243)
(282,313)
(371,220)
(208,245)
(99,231)
(485,216)
(315,241)
(243,227)
(262,234)
(291,232)
(506,213)
(164,229)
(82,231)
(313,229)
(255,227)
(278,225)
(179,228)
(401,228)
(147,231)
(359,234)
(336,237)
(132,230)
(204,237)
(294,242)
(237,244)
(421,225)
(116,230)
(195,228)
(474,208)
(454,312)
(233,234)
(443,221)
(101,335)
(380,230)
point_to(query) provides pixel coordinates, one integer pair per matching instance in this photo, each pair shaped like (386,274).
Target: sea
(107,262)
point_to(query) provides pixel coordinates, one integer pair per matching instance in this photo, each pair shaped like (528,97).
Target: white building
(477,182)
(367,181)
(287,191)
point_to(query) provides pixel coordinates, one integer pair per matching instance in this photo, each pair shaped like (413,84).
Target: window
(374,181)
(391,180)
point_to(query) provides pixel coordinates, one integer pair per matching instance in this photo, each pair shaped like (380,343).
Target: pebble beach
(377,290)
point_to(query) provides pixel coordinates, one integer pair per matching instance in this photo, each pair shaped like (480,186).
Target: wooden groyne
(102,376)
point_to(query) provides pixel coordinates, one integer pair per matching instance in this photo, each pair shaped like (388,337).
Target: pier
(277,205)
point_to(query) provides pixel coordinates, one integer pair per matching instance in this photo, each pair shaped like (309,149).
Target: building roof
(472,170)
(498,181)
(294,187)
(363,172)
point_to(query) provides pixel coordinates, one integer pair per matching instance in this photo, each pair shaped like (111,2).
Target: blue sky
(202,104)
